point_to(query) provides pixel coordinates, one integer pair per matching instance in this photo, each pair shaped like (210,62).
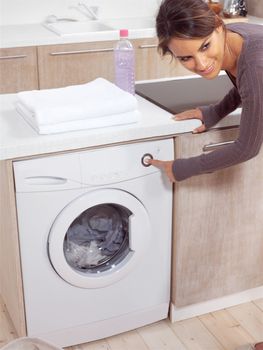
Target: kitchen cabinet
(218,221)
(69,64)
(18,69)
(61,65)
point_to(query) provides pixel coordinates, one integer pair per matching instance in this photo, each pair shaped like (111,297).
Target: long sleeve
(212,114)
(250,138)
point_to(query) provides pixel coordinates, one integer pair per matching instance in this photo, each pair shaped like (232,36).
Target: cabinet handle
(149,46)
(61,53)
(213,146)
(12,57)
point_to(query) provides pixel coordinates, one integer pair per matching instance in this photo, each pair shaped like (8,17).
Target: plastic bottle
(124,63)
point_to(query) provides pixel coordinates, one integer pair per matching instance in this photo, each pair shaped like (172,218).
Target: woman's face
(203,56)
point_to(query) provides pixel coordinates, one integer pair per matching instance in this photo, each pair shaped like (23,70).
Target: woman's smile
(207,71)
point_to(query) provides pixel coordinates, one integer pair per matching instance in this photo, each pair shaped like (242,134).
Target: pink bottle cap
(124,33)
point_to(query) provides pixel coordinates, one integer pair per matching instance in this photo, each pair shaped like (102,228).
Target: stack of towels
(96,104)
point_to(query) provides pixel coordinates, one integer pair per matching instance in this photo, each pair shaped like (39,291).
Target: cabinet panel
(218,241)
(11,288)
(62,65)
(18,69)
(150,64)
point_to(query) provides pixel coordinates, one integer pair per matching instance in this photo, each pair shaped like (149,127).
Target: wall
(35,11)
(255,7)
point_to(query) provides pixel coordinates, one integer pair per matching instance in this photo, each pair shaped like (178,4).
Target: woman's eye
(205,47)
(185,59)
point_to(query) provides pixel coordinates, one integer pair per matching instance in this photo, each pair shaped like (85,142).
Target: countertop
(18,139)
(36,34)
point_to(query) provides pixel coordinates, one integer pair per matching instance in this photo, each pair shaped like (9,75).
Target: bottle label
(124,70)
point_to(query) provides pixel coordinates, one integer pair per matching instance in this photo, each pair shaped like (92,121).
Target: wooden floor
(220,330)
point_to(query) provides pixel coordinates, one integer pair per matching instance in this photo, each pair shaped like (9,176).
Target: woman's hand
(192,114)
(165,166)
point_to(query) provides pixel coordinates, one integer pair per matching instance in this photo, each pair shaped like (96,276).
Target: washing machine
(95,241)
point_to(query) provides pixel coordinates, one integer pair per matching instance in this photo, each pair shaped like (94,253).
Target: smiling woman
(193,34)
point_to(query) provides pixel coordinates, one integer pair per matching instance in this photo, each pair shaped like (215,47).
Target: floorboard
(250,317)
(195,335)
(226,329)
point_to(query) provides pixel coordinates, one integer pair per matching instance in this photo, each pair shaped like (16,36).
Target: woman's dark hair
(184,19)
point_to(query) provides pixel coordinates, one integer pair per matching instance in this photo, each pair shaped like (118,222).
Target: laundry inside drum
(98,239)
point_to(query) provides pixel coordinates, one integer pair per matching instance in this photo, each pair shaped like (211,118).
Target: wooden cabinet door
(150,64)
(218,226)
(18,69)
(69,64)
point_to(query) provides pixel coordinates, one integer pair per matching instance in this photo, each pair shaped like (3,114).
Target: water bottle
(124,63)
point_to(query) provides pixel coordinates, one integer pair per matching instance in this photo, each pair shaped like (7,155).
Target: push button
(145,158)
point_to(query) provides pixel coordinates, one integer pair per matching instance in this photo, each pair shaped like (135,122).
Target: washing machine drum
(98,238)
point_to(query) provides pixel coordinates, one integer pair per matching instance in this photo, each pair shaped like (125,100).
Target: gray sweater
(248,93)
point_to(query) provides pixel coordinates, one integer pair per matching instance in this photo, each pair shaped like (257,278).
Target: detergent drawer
(50,173)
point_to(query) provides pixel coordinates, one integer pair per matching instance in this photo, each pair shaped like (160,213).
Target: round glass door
(98,238)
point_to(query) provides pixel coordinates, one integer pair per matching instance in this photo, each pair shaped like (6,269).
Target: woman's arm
(250,136)
(212,114)
(245,147)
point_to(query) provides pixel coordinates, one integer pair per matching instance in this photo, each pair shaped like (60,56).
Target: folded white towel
(89,123)
(95,99)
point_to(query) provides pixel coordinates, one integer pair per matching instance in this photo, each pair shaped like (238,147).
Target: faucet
(89,11)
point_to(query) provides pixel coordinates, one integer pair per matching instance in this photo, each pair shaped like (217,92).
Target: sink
(67,28)
(131,23)
(64,28)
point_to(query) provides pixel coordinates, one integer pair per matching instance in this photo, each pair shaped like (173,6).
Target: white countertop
(18,139)
(36,35)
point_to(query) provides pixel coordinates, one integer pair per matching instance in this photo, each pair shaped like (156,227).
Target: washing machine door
(98,238)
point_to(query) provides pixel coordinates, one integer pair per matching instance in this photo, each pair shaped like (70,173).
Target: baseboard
(182,313)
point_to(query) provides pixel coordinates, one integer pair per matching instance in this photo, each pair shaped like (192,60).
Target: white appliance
(95,240)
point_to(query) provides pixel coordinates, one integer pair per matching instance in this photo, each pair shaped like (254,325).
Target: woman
(193,34)
(197,37)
